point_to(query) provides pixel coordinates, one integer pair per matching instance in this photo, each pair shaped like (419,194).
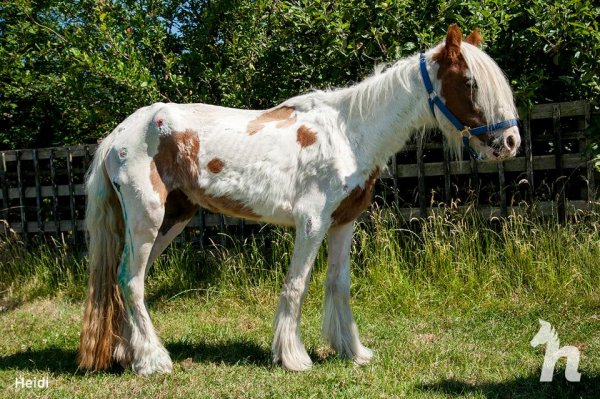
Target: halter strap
(466,132)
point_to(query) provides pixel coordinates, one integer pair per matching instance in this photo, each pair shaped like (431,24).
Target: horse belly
(251,177)
(255,191)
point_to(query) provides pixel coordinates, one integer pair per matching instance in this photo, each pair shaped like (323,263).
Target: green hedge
(72,70)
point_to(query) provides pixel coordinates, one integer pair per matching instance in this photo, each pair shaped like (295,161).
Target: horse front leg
(287,347)
(339,328)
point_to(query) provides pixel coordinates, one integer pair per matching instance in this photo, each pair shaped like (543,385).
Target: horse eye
(471,84)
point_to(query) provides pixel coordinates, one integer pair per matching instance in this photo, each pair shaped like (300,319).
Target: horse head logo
(547,335)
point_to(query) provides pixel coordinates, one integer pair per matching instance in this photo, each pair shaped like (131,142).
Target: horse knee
(338,286)
(293,290)
(145,226)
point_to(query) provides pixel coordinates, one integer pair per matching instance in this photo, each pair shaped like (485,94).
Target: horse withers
(309,163)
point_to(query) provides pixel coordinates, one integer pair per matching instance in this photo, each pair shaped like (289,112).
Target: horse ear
(474,38)
(453,42)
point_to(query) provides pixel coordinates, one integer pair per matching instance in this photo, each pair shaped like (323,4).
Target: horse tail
(104,310)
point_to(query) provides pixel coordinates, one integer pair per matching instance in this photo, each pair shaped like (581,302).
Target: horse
(309,163)
(547,335)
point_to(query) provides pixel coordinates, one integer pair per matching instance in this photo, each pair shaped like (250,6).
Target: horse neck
(382,112)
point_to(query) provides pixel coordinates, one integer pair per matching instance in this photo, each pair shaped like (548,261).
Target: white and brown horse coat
(309,163)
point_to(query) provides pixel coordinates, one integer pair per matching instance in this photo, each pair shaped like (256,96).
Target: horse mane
(493,86)
(363,99)
(381,86)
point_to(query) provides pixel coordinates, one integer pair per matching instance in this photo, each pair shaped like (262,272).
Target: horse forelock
(494,95)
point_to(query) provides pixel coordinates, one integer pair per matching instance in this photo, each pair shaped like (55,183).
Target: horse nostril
(509,142)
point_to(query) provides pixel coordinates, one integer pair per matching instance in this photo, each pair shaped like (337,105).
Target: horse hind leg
(139,345)
(339,328)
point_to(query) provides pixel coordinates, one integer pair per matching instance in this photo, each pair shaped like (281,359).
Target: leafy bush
(73,69)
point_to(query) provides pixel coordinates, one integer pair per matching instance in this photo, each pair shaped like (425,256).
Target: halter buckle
(466,133)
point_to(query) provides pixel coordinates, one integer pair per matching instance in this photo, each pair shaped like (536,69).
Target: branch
(47,28)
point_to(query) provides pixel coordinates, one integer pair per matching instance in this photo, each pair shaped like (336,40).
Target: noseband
(465,131)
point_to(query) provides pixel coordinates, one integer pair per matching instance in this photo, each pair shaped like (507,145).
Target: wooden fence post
(590,170)
(71,194)
(559,193)
(527,142)
(55,214)
(502,184)
(24,227)
(421,178)
(38,194)
(4,186)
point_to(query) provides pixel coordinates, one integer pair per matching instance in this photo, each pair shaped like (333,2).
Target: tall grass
(452,253)
(463,254)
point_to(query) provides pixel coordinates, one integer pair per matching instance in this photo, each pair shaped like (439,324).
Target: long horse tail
(104,309)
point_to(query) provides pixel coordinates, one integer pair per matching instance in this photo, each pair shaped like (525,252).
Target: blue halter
(465,131)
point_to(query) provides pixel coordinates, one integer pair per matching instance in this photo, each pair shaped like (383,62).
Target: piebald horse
(309,163)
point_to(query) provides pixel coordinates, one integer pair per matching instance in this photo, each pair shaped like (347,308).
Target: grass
(449,307)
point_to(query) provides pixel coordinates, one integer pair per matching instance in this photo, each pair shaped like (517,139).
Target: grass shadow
(524,387)
(231,353)
(51,359)
(64,361)
(6,305)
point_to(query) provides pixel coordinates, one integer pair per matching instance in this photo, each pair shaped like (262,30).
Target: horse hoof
(302,365)
(363,356)
(158,362)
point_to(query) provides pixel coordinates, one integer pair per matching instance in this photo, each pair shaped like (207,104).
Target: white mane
(381,86)
(493,87)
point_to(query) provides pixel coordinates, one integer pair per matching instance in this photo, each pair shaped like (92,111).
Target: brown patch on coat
(178,169)
(177,159)
(356,202)
(282,115)
(157,183)
(305,136)
(457,93)
(223,204)
(215,165)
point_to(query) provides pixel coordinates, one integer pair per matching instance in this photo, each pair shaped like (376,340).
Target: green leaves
(72,70)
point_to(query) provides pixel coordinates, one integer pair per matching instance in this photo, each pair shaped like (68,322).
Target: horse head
(479,105)
(543,335)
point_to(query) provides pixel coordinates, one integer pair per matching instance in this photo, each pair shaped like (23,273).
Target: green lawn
(448,314)
(220,346)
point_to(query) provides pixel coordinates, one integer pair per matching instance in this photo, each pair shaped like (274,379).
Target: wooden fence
(43,189)
(553,169)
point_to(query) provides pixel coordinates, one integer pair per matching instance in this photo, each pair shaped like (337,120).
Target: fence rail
(42,190)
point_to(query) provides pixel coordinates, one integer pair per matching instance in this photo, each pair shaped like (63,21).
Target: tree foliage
(73,69)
